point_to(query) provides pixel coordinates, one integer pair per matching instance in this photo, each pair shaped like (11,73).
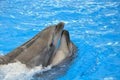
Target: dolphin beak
(60,26)
(58,30)
(66,34)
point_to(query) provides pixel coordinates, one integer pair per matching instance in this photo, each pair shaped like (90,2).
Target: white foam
(19,71)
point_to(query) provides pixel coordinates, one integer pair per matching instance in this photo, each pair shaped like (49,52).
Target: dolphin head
(50,36)
(48,41)
(65,41)
(39,49)
(64,50)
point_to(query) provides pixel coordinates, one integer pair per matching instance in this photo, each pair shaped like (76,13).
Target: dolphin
(61,59)
(65,49)
(38,50)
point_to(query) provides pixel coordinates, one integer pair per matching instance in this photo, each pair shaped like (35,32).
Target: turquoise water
(94,27)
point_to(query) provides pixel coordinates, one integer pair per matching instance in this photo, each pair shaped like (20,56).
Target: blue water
(94,27)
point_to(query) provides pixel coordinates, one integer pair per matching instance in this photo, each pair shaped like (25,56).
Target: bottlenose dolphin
(61,59)
(38,50)
(65,49)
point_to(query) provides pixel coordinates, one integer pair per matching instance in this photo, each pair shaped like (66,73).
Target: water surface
(94,27)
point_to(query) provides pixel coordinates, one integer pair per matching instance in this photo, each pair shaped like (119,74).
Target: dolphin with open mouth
(43,49)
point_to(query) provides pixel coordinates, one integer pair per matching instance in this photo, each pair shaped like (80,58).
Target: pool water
(94,27)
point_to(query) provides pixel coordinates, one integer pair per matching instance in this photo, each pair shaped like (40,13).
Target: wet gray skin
(38,50)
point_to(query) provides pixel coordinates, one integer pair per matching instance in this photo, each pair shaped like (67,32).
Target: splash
(19,71)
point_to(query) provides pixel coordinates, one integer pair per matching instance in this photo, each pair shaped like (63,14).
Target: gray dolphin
(38,50)
(61,59)
(65,49)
